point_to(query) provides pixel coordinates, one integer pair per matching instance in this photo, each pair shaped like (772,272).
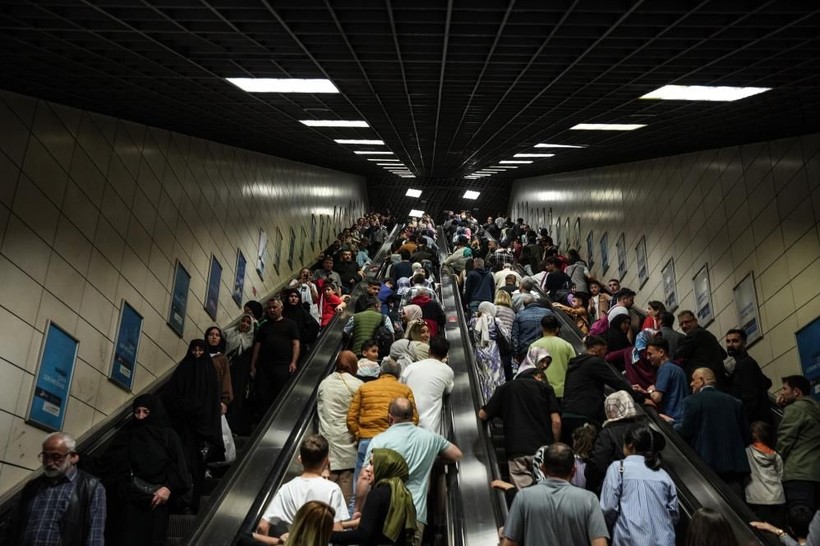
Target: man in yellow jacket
(368,412)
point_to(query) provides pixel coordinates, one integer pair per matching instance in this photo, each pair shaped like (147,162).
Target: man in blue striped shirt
(62,507)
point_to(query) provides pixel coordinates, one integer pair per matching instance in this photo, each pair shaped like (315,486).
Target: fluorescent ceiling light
(607,126)
(704,92)
(358,141)
(333,123)
(470,194)
(371,152)
(406,176)
(504,167)
(546,145)
(390,164)
(413,193)
(383,159)
(534,155)
(495,170)
(514,161)
(284,85)
(417,213)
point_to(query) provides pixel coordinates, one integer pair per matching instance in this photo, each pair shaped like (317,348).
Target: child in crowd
(369,362)
(764,492)
(583,440)
(309,486)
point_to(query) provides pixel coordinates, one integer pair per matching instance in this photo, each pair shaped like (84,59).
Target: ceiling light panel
(534,155)
(704,93)
(284,85)
(513,161)
(358,141)
(413,193)
(470,194)
(547,145)
(607,127)
(333,123)
(417,213)
(384,159)
(372,152)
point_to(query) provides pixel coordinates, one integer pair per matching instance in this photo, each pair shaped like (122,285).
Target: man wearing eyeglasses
(64,505)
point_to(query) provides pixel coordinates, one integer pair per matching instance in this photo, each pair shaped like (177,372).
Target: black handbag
(141,490)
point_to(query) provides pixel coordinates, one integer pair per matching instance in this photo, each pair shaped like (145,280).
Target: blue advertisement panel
(808,347)
(239,278)
(212,294)
(52,383)
(126,347)
(179,300)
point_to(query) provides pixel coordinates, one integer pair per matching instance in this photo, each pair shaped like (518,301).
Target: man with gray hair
(479,286)
(525,288)
(527,325)
(63,505)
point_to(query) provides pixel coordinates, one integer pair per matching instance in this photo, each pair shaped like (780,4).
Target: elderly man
(700,349)
(64,505)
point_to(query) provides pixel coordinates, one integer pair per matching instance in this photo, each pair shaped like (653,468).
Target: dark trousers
(802,492)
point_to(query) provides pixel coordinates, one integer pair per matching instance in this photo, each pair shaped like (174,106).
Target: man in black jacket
(700,349)
(587,375)
(64,505)
(747,383)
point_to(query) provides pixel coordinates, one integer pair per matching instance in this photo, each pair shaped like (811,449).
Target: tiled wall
(746,208)
(94,210)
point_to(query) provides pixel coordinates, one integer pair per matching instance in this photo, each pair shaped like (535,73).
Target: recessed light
(607,126)
(284,85)
(495,170)
(416,213)
(504,167)
(470,194)
(333,123)
(704,92)
(358,141)
(413,193)
(372,152)
(514,161)
(406,176)
(547,145)
(383,159)
(390,164)
(534,155)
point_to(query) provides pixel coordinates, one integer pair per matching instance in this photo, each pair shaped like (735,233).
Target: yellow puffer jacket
(367,415)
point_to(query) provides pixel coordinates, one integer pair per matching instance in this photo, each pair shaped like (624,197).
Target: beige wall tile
(58,312)
(25,249)
(19,293)
(10,385)
(35,209)
(65,282)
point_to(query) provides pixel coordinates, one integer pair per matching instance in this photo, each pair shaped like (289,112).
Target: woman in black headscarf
(192,397)
(618,344)
(216,349)
(294,309)
(146,452)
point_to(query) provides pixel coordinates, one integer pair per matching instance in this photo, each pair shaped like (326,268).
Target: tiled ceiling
(451,86)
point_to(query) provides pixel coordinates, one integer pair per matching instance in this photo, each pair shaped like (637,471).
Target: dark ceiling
(450,86)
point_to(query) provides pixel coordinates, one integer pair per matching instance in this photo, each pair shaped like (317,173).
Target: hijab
(619,406)
(390,468)
(482,324)
(237,341)
(534,356)
(148,438)
(192,395)
(411,312)
(256,309)
(615,337)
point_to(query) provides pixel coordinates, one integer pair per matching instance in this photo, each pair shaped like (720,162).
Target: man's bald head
(401,410)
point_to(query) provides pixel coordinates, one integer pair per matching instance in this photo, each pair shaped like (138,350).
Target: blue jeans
(363,443)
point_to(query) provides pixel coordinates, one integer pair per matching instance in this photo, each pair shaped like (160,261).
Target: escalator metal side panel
(478,507)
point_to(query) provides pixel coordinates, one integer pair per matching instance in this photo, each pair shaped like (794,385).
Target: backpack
(600,326)
(384,339)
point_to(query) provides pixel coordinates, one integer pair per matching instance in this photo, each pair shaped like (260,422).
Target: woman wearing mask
(146,449)
(192,396)
(638,498)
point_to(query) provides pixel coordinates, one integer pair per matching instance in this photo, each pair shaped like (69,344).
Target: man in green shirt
(561,351)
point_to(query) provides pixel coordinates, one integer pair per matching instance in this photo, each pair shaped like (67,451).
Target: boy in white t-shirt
(310,485)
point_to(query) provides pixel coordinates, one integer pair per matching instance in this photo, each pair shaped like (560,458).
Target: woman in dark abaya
(216,349)
(618,344)
(294,309)
(238,350)
(148,449)
(192,397)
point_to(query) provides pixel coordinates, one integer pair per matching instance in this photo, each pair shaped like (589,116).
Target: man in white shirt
(430,379)
(310,485)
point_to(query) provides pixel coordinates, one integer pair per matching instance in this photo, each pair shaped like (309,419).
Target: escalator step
(180,525)
(208,485)
(241,442)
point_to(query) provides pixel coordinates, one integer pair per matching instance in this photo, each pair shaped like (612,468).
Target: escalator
(698,486)
(255,451)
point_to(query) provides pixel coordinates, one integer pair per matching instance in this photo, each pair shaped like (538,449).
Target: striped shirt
(640,505)
(49,505)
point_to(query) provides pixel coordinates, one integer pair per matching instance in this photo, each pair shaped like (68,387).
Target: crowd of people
(553,404)
(585,467)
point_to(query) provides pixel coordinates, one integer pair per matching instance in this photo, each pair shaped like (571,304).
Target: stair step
(180,525)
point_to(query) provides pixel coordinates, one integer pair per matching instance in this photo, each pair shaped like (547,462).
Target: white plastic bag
(227,439)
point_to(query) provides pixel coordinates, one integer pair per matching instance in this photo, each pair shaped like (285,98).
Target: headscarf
(256,309)
(192,396)
(395,258)
(619,406)
(416,267)
(390,468)
(218,349)
(239,342)
(148,438)
(482,325)
(534,356)
(404,352)
(538,462)
(411,312)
